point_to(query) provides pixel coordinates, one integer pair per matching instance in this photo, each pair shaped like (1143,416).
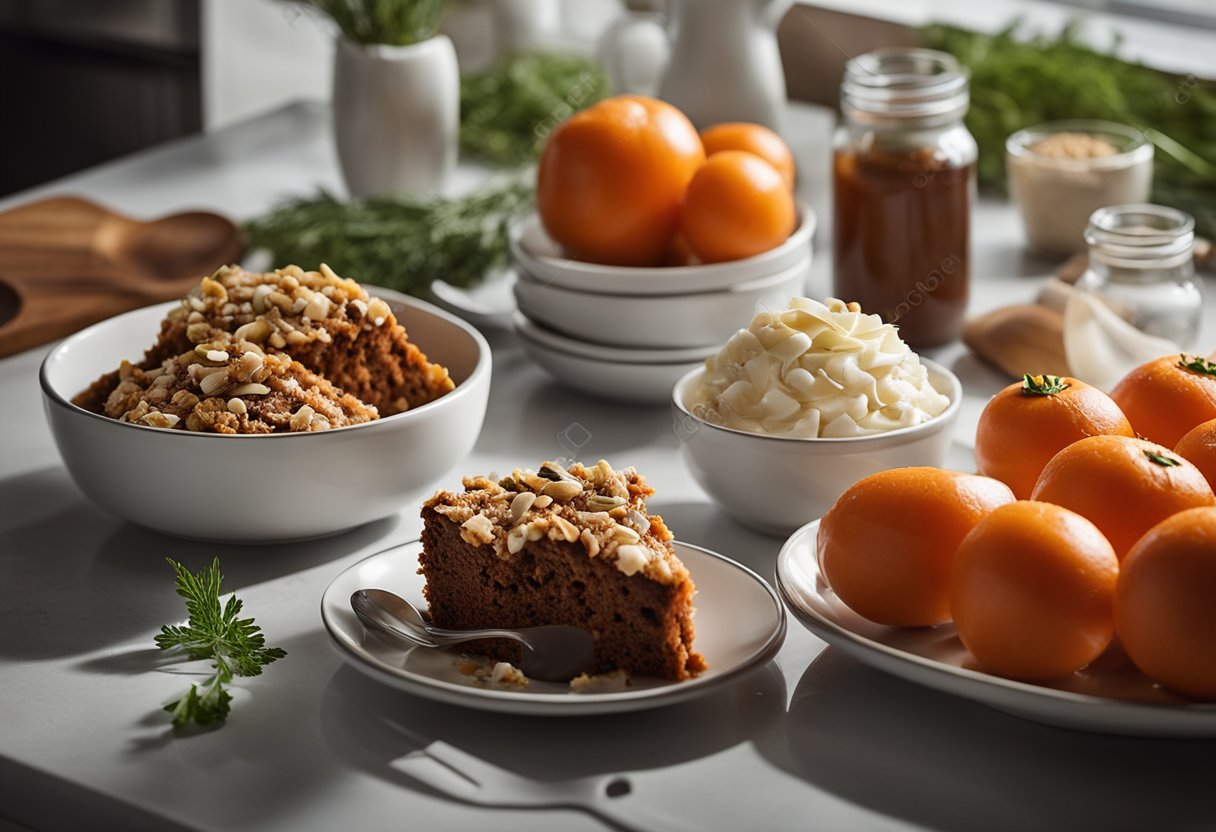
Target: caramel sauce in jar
(901,239)
(904,181)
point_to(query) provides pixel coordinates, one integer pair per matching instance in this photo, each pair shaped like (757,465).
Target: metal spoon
(555,653)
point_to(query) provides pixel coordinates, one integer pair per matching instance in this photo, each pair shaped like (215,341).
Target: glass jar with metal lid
(904,181)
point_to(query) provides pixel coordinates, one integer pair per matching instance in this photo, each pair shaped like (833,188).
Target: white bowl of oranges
(649,236)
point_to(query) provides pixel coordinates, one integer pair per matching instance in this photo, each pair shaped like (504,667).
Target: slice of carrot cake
(330,325)
(558,546)
(231,386)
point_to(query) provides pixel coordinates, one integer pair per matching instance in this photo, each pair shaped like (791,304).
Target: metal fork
(461,776)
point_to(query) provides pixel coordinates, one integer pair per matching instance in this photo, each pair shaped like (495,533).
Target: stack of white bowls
(627,333)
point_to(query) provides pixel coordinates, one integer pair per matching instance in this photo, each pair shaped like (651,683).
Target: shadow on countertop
(77,578)
(560,422)
(369,725)
(948,763)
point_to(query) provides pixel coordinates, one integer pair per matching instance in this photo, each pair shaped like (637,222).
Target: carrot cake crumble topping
(283,351)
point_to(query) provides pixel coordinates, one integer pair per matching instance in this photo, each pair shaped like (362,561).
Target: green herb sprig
(235,645)
(401,243)
(507,110)
(392,22)
(1020,78)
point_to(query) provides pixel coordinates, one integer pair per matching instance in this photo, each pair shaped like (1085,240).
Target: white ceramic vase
(396,116)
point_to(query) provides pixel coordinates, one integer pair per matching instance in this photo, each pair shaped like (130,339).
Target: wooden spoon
(67,262)
(1019,339)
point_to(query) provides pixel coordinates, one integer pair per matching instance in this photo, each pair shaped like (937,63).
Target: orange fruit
(678,253)
(1198,446)
(1165,398)
(886,545)
(736,206)
(1032,591)
(754,138)
(1030,421)
(611,177)
(1163,605)
(1124,485)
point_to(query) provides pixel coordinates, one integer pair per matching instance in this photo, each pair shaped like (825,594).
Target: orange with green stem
(1166,397)
(1030,421)
(1124,486)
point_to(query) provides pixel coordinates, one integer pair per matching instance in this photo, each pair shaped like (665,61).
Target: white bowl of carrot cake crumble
(269,407)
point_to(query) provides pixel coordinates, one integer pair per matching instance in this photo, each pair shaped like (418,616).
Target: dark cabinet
(85,81)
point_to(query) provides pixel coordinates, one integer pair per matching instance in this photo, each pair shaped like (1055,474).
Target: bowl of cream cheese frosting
(804,402)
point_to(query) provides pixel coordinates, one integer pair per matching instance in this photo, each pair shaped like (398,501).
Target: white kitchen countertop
(813,741)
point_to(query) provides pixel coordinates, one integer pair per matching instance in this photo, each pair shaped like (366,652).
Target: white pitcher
(721,62)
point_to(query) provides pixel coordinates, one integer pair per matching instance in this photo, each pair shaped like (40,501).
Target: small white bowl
(538,255)
(555,341)
(657,321)
(271,488)
(630,376)
(777,484)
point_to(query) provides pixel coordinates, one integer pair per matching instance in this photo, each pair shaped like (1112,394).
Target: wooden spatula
(67,262)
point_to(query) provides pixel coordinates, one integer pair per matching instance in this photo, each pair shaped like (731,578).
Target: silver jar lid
(905,83)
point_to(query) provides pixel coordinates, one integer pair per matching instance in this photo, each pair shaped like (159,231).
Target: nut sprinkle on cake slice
(227,386)
(558,546)
(327,323)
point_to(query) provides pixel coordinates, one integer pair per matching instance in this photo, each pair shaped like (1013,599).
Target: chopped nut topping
(562,490)
(250,390)
(255,331)
(379,311)
(516,539)
(159,420)
(477,530)
(520,505)
(536,529)
(624,534)
(568,531)
(247,365)
(601,502)
(637,521)
(302,419)
(198,332)
(213,383)
(630,559)
(184,399)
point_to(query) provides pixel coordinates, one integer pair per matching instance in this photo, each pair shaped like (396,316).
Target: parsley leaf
(235,645)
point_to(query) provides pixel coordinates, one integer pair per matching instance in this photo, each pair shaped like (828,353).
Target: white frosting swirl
(816,370)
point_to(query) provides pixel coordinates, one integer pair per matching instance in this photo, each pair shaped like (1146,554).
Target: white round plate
(740,625)
(1109,696)
(490,304)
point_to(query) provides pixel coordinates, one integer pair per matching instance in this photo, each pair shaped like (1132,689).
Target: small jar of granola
(1060,173)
